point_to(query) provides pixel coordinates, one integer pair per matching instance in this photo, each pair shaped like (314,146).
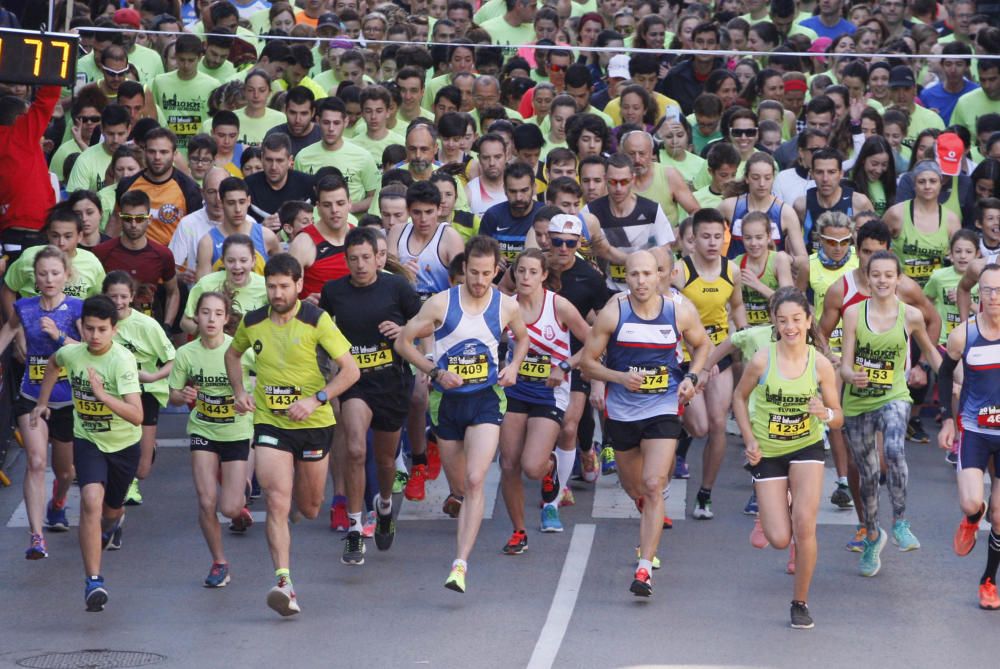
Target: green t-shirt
(752,339)
(58,162)
(699,140)
(108,198)
(706,198)
(507,36)
(92,419)
(89,170)
(356,164)
(290,364)
(876,193)
(923,118)
(244,300)
(376,146)
(143,336)
(224,72)
(490,9)
(971,106)
(184,103)
(84,281)
(693,168)
(940,290)
(252,130)
(147,61)
(214,416)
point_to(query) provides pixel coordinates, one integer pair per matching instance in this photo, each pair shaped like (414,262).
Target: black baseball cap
(901,76)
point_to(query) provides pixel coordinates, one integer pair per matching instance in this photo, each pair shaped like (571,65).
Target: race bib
(881,374)
(989,417)
(535,368)
(279,398)
(93,414)
(951,320)
(654,381)
(372,358)
(616,272)
(757,314)
(219,410)
(782,427)
(716,333)
(36,368)
(184,125)
(472,368)
(920,269)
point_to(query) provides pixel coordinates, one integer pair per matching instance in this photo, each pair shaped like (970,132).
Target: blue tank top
(650,348)
(741,209)
(256,236)
(980,398)
(466,344)
(41,346)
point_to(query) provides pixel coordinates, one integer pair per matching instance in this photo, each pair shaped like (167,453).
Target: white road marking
(436,491)
(828,513)
(611,500)
(173,443)
(564,599)
(20,516)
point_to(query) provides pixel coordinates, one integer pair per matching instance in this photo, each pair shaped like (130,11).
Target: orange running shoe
(965,535)
(433,460)
(414,490)
(642,584)
(988,598)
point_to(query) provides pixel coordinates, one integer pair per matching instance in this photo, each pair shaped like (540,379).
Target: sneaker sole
(281,603)
(57,528)
(96,600)
(986,607)
(35,555)
(800,626)
(383,542)
(517,552)
(703,516)
(223,584)
(550,530)
(353,563)
(906,549)
(641,589)
(453,585)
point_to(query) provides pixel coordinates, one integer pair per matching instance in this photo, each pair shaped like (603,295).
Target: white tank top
(432,275)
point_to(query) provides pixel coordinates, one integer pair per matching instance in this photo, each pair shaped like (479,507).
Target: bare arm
(737,312)
(963,294)
(792,229)
(595,345)
(204,266)
(7,299)
(832,302)
(783,269)
(361,206)
(893,219)
(859,379)
(173,301)
(741,397)
(271,242)
(679,190)
(910,293)
(829,391)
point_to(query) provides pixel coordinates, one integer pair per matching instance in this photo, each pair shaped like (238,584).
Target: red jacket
(26,193)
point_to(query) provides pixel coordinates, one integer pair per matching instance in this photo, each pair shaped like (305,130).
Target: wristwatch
(321,397)
(434,373)
(692,377)
(564,366)
(924,365)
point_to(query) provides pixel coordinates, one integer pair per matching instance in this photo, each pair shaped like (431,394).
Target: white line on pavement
(611,500)
(173,443)
(564,600)
(436,492)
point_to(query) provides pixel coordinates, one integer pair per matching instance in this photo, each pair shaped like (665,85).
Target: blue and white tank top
(41,346)
(649,347)
(980,398)
(256,236)
(741,209)
(432,274)
(549,345)
(466,344)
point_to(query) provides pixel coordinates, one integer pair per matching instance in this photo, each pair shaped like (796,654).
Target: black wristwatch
(692,377)
(564,366)
(924,365)
(321,397)
(434,373)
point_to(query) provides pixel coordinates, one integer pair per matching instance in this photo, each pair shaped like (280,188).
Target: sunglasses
(743,132)
(568,243)
(111,72)
(556,68)
(620,182)
(133,218)
(89,119)
(842,241)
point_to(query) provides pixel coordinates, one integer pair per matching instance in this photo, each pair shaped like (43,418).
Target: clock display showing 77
(28,57)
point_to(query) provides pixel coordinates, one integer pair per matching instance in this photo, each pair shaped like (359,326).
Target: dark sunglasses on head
(568,243)
(743,132)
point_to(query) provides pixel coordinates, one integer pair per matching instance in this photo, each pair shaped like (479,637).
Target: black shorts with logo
(535,410)
(777,468)
(389,402)
(308,444)
(60,420)
(228,451)
(624,435)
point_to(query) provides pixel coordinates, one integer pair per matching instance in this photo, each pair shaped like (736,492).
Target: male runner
(639,333)
(293,422)
(467,402)
(319,248)
(371,308)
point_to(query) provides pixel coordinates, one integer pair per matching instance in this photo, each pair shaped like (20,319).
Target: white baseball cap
(565,224)
(618,67)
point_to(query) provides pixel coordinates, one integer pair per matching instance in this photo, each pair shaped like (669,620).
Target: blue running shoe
(857,544)
(38,550)
(751,509)
(218,577)
(550,519)
(903,537)
(95,594)
(55,519)
(112,539)
(681,470)
(608,465)
(871,561)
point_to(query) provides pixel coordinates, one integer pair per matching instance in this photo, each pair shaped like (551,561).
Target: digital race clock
(28,57)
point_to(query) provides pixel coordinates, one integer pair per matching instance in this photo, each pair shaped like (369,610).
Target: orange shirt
(170,201)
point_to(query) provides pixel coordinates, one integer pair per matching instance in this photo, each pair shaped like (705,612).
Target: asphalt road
(564,603)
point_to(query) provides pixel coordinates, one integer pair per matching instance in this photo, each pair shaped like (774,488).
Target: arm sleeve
(946,384)
(31,126)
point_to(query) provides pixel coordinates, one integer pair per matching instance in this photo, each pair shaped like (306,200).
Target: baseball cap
(618,67)
(328,19)
(901,76)
(565,224)
(950,150)
(127,17)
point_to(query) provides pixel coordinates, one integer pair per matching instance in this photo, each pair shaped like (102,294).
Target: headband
(795,85)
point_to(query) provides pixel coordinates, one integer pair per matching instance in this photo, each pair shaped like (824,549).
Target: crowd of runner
(580,235)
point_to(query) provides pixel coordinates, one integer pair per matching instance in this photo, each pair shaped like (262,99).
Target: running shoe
(681,470)
(841,497)
(951,457)
(801,620)
(550,483)
(354,549)
(452,505)
(385,531)
(857,544)
(433,460)
(456,579)
(112,539)
(550,519)
(988,598)
(241,523)
(414,489)
(915,431)
(400,482)
(567,498)
(281,598)
(871,561)
(133,497)
(965,535)
(790,566)
(339,521)
(751,508)
(903,537)
(55,519)
(608,465)
(517,544)
(38,549)
(757,538)
(642,583)
(95,594)
(589,465)
(218,576)
(703,509)
(655,560)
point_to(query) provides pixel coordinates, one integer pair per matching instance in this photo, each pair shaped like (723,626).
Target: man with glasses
(115,70)
(194,226)
(90,167)
(685,81)
(956,28)
(149,263)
